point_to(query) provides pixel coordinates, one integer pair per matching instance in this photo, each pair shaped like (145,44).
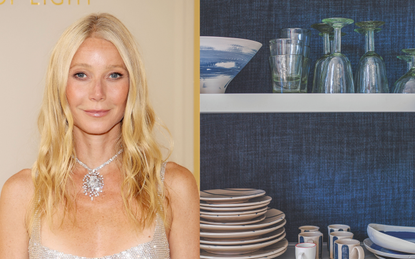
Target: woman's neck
(94,150)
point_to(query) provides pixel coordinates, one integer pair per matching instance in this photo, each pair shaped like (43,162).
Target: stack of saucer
(236,223)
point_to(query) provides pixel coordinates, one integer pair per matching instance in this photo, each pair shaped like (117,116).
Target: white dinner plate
(230,195)
(272,216)
(274,234)
(240,234)
(262,200)
(252,221)
(239,249)
(393,237)
(233,218)
(230,209)
(232,213)
(267,252)
(378,250)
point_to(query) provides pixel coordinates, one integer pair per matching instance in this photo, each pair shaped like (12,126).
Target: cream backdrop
(164,30)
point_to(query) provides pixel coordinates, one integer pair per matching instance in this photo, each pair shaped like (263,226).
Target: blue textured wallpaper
(320,168)
(261,20)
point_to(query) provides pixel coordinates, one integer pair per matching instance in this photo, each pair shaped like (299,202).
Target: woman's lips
(97,113)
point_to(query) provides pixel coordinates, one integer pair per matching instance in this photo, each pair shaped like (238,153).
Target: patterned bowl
(221,59)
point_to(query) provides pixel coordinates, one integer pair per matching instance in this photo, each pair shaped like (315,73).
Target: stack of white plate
(237,223)
(387,241)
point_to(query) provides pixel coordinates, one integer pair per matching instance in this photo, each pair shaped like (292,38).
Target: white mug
(313,237)
(348,249)
(305,251)
(335,236)
(308,228)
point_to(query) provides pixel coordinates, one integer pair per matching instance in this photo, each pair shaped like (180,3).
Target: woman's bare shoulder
(14,200)
(179,178)
(17,191)
(19,185)
(183,195)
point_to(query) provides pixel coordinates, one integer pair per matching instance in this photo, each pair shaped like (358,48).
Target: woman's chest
(97,230)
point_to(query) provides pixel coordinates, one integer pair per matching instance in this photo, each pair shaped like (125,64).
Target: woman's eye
(115,75)
(80,75)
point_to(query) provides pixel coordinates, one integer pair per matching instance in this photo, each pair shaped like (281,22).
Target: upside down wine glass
(406,84)
(324,30)
(407,59)
(370,75)
(337,75)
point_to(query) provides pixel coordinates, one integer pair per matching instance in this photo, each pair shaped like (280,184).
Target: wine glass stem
(413,61)
(370,40)
(337,40)
(326,43)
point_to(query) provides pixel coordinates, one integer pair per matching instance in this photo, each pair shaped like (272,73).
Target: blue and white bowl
(221,59)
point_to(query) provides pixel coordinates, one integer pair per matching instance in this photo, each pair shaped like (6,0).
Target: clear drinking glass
(286,46)
(303,35)
(406,84)
(407,59)
(370,75)
(337,73)
(324,30)
(286,73)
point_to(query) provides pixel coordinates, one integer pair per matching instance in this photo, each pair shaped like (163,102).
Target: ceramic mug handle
(360,252)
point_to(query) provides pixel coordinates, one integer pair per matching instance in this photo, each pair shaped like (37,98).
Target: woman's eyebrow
(115,66)
(80,65)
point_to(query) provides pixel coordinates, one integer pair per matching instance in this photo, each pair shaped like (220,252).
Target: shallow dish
(272,217)
(232,213)
(239,249)
(393,237)
(230,209)
(378,250)
(274,234)
(230,195)
(271,251)
(240,234)
(232,218)
(252,221)
(261,200)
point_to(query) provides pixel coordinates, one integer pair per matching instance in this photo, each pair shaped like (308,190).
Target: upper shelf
(265,103)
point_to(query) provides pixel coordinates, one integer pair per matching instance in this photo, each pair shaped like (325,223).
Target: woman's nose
(98,90)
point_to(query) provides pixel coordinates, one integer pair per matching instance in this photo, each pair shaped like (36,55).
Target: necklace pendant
(93,183)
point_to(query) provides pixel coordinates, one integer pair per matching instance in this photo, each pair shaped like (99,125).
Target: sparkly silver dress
(157,248)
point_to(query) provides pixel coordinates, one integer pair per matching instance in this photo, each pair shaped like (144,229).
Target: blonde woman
(100,187)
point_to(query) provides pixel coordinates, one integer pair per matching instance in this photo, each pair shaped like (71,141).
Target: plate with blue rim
(230,195)
(378,250)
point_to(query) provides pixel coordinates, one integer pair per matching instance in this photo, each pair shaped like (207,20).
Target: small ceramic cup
(335,236)
(305,251)
(313,237)
(348,249)
(336,227)
(308,228)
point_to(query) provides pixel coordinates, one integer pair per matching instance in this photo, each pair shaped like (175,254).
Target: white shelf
(288,103)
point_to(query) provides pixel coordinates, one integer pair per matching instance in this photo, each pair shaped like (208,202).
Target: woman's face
(97,87)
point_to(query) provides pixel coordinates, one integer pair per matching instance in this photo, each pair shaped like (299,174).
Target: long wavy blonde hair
(142,159)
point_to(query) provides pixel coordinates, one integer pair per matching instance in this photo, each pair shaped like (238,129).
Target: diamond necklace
(93,182)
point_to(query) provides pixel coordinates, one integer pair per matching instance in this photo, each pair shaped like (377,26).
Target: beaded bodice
(157,248)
